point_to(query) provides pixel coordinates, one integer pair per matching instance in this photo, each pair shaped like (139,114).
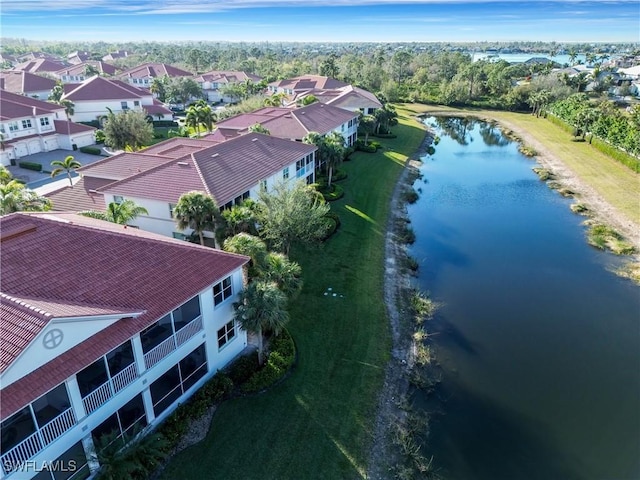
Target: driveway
(35,179)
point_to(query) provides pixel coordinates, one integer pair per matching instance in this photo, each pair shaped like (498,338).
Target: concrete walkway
(35,179)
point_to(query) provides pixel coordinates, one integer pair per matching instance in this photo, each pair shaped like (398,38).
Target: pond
(538,342)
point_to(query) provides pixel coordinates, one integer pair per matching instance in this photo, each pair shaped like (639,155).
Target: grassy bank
(317,424)
(614,182)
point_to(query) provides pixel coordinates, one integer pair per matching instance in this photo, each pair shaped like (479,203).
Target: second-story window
(13,126)
(124,105)
(118,199)
(172,207)
(136,103)
(26,123)
(285,173)
(44,121)
(222,291)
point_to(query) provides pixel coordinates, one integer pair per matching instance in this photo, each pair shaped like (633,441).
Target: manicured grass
(615,182)
(318,423)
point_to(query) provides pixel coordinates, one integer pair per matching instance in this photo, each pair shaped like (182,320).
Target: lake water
(523,57)
(539,344)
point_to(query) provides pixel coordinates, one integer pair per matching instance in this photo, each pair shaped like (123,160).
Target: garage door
(51,143)
(21,150)
(34,147)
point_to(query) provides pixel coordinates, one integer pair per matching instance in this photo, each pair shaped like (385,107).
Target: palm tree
(193,118)
(334,145)
(197,211)
(285,273)
(15,197)
(251,246)
(68,165)
(240,218)
(258,128)
(261,307)
(120,213)
(368,125)
(314,138)
(206,115)
(275,100)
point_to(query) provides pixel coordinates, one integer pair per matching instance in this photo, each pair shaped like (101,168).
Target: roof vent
(215,155)
(93,190)
(16,232)
(183,163)
(254,139)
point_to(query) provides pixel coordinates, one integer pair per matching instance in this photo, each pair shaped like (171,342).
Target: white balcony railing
(168,345)
(34,443)
(301,172)
(104,392)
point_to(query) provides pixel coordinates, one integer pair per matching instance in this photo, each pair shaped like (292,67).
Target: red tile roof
(81,68)
(24,82)
(110,265)
(13,106)
(39,65)
(306,82)
(122,165)
(224,171)
(100,88)
(154,70)
(65,127)
(82,197)
(178,147)
(227,76)
(157,108)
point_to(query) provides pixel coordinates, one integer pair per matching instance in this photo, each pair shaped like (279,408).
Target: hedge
(30,166)
(91,150)
(165,123)
(282,356)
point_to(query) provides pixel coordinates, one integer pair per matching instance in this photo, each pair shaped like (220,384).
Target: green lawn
(318,423)
(616,183)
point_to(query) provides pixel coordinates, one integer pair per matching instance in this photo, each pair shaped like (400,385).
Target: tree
(291,213)
(368,125)
(128,456)
(197,211)
(159,87)
(68,165)
(121,213)
(258,128)
(329,68)
(308,100)
(15,197)
(287,275)
(240,218)
(56,93)
(251,246)
(193,119)
(275,100)
(261,307)
(127,129)
(334,151)
(183,89)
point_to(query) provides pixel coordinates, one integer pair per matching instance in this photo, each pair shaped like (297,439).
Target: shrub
(92,123)
(338,175)
(30,166)
(165,123)
(331,227)
(100,136)
(243,368)
(334,193)
(91,150)
(371,148)
(281,357)
(410,196)
(543,173)
(406,234)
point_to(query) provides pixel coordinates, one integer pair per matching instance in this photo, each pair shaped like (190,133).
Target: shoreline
(397,280)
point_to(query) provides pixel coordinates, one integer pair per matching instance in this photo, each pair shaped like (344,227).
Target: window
(2,130)
(120,358)
(222,291)
(13,126)
(193,367)
(15,429)
(285,173)
(50,405)
(263,185)
(118,199)
(129,419)
(172,207)
(44,121)
(92,377)
(157,333)
(26,123)
(124,105)
(186,312)
(166,390)
(136,103)
(226,334)
(73,466)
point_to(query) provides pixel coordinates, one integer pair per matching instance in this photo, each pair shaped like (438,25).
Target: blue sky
(322,21)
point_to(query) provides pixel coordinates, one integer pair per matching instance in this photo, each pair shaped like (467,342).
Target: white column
(90,452)
(75,397)
(138,354)
(148,405)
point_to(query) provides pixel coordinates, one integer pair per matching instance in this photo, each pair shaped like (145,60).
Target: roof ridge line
(22,303)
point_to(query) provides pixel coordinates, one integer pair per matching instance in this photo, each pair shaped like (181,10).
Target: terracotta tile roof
(348,98)
(307,82)
(24,318)
(221,135)
(154,70)
(227,76)
(39,65)
(100,88)
(322,118)
(81,68)
(157,108)
(292,123)
(24,82)
(122,165)
(82,197)
(178,147)
(65,127)
(13,106)
(224,171)
(157,273)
